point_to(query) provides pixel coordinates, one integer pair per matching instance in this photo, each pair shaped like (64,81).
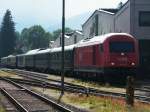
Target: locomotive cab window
(118,47)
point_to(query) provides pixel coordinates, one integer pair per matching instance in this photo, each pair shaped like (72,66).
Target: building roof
(70,47)
(79,32)
(32,52)
(43,51)
(110,10)
(105,11)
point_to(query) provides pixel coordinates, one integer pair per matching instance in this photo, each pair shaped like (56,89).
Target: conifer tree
(8,37)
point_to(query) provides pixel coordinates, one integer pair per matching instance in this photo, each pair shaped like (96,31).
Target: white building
(133,17)
(100,22)
(71,38)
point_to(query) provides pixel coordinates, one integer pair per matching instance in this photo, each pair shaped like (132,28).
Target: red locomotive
(107,54)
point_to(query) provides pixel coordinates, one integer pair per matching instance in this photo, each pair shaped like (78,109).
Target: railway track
(26,100)
(37,77)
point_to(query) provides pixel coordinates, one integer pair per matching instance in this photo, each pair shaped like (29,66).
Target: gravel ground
(31,103)
(9,107)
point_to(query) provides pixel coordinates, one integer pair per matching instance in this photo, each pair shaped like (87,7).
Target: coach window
(69,55)
(75,39)
(55,56)
(101,47)
(58,55)
(144,18)
(66,55)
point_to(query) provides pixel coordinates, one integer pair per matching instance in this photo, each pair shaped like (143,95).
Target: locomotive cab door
(94,55)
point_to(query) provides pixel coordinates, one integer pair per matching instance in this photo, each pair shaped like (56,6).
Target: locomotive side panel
(89,59)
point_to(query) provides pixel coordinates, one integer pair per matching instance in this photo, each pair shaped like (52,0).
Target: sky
(30,12)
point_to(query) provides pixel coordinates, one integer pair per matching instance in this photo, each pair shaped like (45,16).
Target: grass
(96,104)
(7,74)
(89,84)
(103,104)
(72,80)
(104,87)
(2,109)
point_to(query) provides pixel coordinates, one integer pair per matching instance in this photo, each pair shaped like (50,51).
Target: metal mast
(62,39)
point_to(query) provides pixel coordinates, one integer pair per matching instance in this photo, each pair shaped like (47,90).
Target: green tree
(35,37)
(19,44)
(8,35)
(56,33)
(24,39)
(0,46)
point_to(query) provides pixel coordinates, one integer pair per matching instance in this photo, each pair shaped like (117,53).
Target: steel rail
(91,91)
(14,101)
(144,99)
(58,106)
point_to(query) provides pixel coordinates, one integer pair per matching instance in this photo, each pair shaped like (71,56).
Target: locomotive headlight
(112,63)
(133,64)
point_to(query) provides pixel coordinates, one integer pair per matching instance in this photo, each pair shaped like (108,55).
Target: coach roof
(70,47)
(43,51)
(31,52)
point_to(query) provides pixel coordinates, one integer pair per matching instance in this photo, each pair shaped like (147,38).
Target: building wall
(122,19)
(69,40)
(105,24)
(140,32)
(88,26)
(56,43)
(125,20)
(76,37)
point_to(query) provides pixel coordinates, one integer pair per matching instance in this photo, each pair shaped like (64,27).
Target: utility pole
(130,91)
(62,39)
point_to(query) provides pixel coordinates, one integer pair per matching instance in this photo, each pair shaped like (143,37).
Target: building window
(75,39)
(92,30)
(144,18)
(96,25)
(60,41)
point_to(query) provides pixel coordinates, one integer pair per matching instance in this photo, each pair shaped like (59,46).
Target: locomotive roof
(99,39)
(70,47)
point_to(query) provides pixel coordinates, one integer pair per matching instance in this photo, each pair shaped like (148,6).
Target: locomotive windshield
(119,47)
